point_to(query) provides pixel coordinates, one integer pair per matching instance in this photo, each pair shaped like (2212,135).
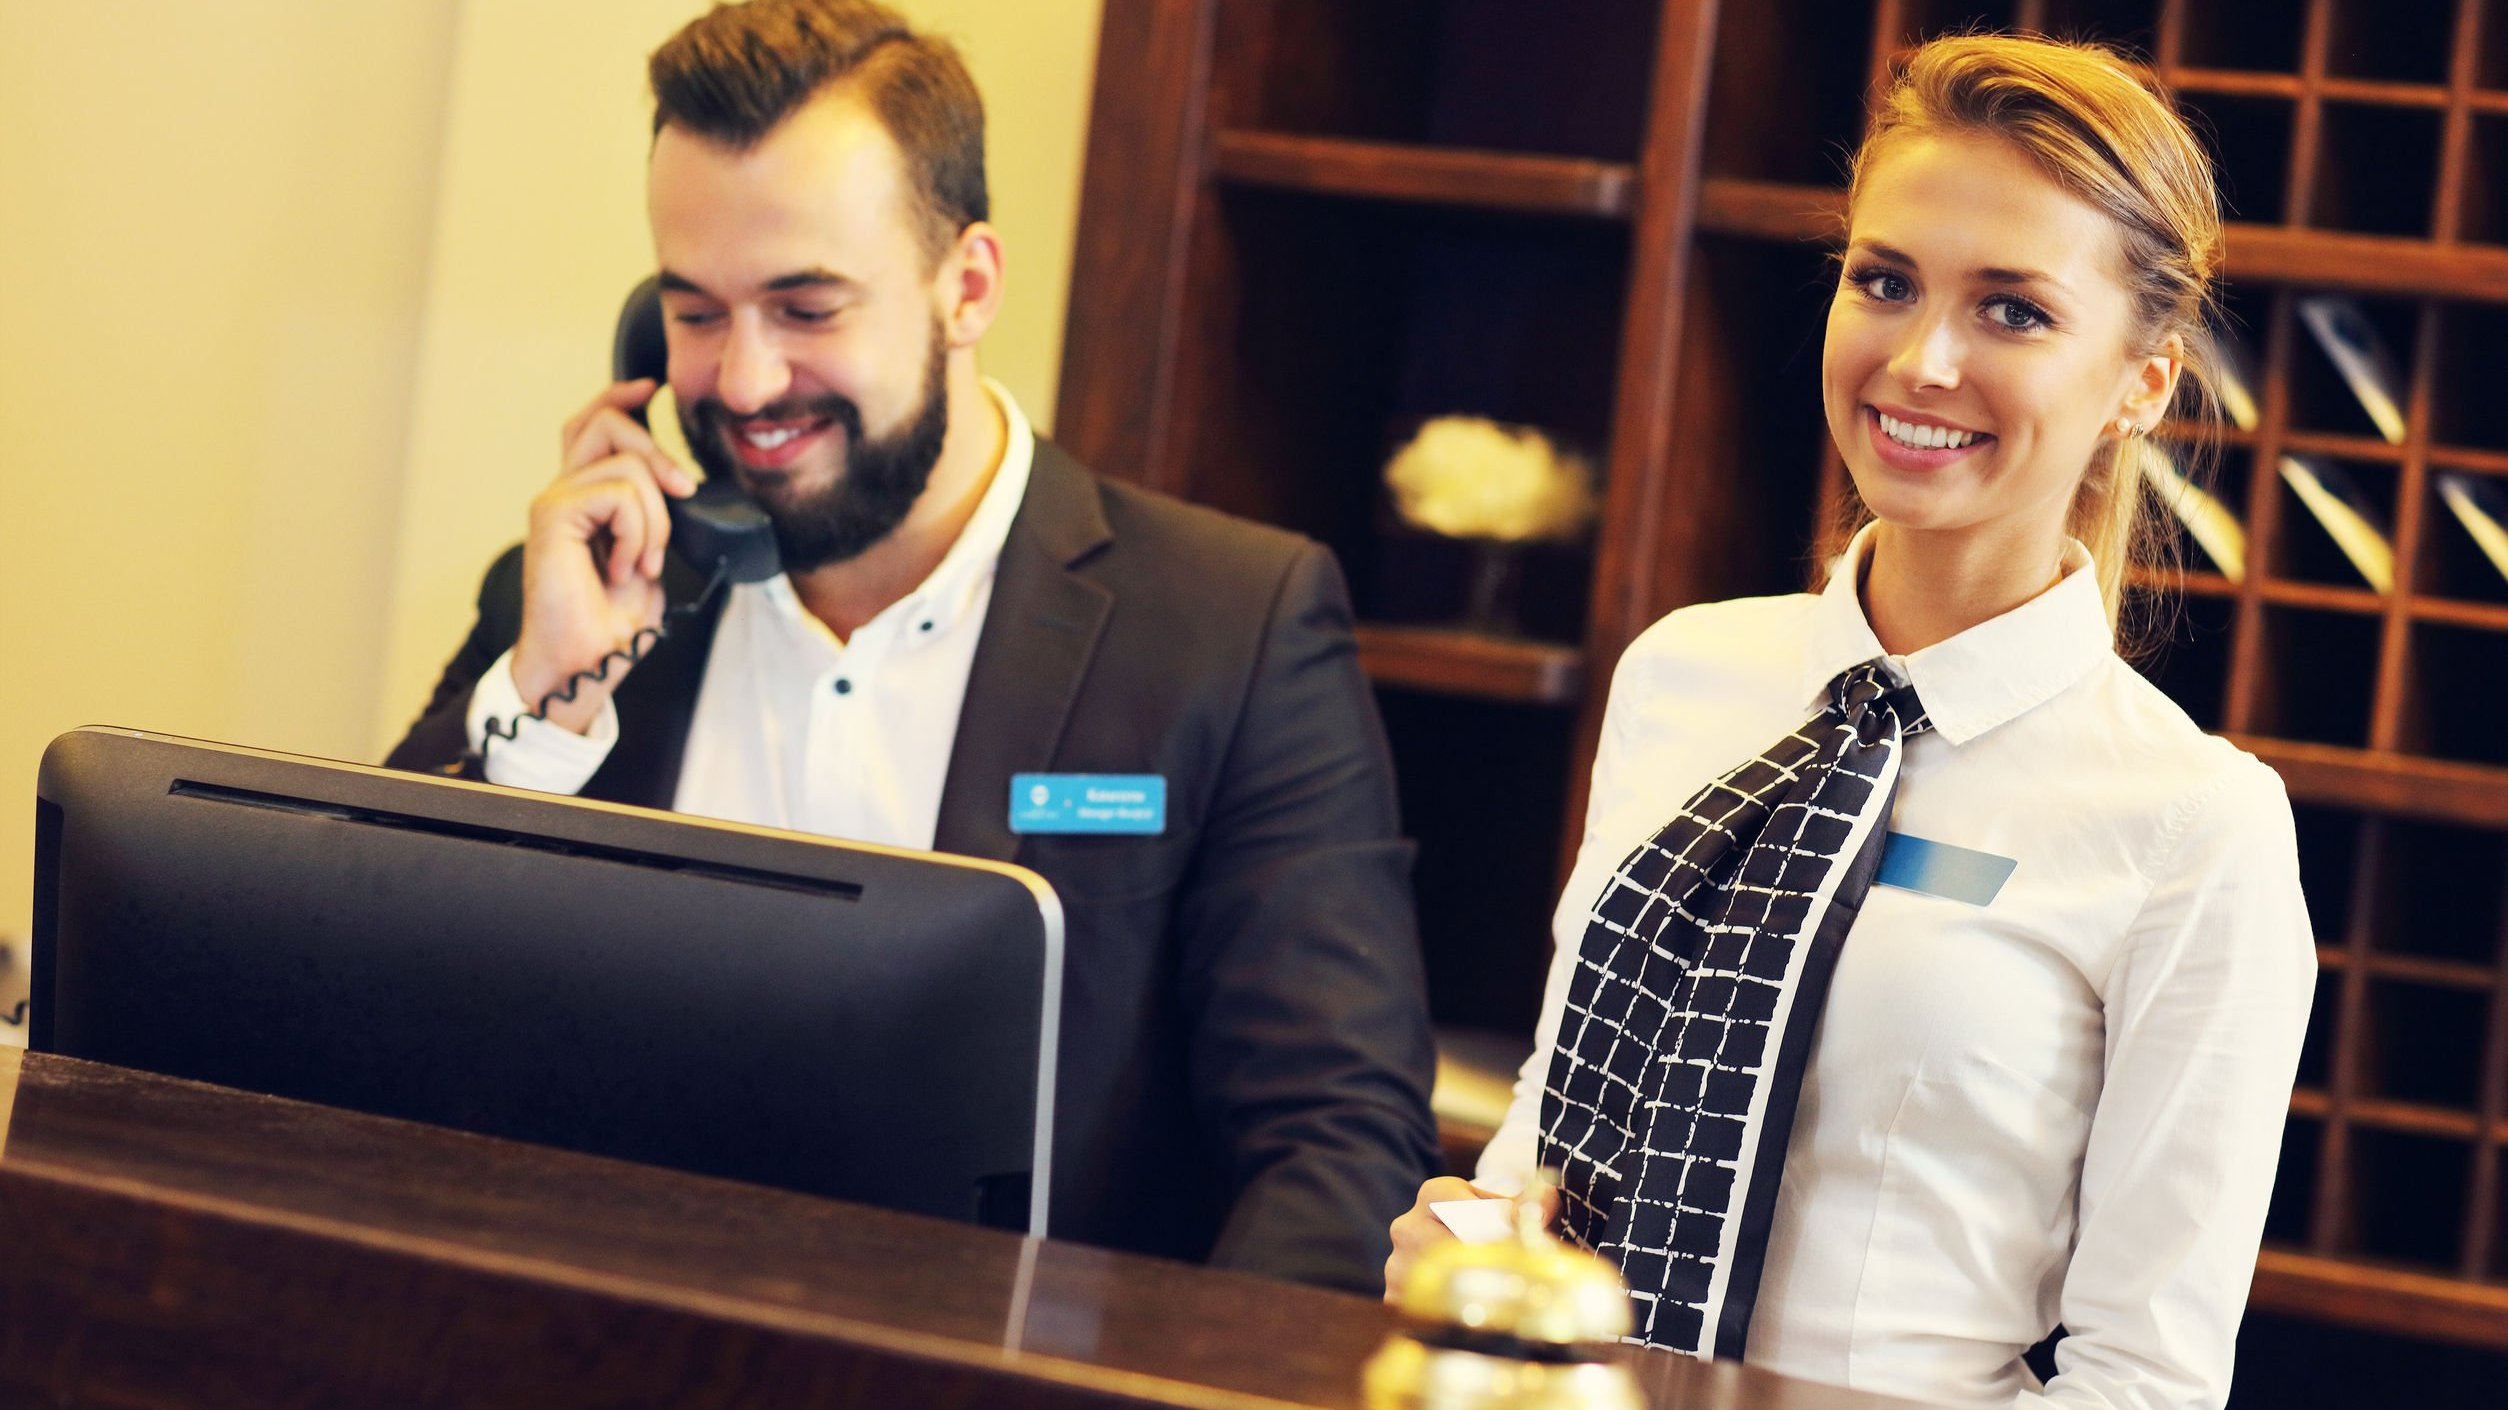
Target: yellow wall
(539,230)
(215,239)
(1035,61)
(299,292)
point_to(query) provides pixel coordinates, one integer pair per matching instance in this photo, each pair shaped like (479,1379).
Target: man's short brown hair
(733,73)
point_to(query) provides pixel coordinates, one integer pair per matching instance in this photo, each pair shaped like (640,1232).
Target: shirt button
(927,626)
(843,686)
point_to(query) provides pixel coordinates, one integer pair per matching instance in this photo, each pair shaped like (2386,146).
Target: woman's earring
(2126,429)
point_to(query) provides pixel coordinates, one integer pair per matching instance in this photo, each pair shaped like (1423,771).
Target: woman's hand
(1420,1230)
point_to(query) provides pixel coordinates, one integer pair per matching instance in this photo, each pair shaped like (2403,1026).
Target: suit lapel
(1039,636)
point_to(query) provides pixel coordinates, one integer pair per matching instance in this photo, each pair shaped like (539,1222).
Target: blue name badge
(1088,803)
(1940,869)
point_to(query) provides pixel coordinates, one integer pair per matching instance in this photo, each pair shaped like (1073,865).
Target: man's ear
(967,289)
(2155,383)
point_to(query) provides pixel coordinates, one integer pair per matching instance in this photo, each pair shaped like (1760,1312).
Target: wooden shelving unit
(1455,661)
(1308,224)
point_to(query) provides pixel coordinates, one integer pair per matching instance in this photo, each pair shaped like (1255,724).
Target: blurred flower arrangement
(1468,477)
(1496,487)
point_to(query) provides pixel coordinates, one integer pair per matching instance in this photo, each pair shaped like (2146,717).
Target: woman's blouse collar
(1995,671)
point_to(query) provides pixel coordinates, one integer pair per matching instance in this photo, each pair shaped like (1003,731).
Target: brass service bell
(1521,1324)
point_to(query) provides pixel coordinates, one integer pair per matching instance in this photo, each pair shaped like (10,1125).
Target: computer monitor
(855,1021)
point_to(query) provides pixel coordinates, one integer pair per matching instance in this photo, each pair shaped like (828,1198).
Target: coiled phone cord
(622,657)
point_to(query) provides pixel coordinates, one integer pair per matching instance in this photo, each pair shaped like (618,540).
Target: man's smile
(775,445)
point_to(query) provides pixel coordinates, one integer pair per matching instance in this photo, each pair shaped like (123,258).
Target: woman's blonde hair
(2105,134)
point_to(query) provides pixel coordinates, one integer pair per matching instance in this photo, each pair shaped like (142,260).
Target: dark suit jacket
(1245,1049)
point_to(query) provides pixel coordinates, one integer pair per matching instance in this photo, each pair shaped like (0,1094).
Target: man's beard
(882,479)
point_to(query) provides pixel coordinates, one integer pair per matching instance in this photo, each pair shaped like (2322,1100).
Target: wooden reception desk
(167,1244)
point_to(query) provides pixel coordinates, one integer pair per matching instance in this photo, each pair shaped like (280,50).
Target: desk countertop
(166,1243)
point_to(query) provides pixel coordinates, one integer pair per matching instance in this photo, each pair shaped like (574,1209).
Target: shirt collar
(964,576)
(1995,671)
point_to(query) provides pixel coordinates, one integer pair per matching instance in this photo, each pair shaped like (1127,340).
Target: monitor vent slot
(504,837)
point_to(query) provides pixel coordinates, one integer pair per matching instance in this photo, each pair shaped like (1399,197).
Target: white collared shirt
(796,729)
(2063,1106)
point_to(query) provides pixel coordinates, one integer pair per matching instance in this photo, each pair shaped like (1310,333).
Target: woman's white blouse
(2063,1106)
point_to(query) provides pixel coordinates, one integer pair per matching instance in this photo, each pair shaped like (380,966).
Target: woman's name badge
(1939,869)
(1134,804)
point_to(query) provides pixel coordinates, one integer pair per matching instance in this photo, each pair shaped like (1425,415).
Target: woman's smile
(1915,444)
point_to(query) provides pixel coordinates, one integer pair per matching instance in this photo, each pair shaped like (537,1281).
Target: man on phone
(1245,1052)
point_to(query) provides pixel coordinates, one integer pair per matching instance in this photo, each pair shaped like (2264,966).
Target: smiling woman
(2075,239)
(1977,366)
(1969,1007)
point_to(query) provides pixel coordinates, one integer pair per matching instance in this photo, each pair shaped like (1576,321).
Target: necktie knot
(1876,709)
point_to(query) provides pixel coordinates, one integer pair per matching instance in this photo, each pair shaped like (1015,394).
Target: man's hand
(592,561)
(1420,1229)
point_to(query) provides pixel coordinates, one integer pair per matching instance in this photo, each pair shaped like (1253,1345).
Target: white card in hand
(1477,1221)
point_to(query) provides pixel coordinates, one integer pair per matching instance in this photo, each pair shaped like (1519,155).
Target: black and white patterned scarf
(1689,1021)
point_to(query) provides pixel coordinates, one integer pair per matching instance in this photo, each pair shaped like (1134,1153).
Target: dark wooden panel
(1485,899)
(1137,199)
(1488,74)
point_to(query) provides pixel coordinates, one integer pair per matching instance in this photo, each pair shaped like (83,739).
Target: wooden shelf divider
(2402,1303)
(2434,790)
(2322,597)
(2383,1114)
(2480,462)
(2333,259)
(1395,171)
(2228,436)
(1456,661)
(2252,83)
(2488,616)
(2237,83)
(2193,582)
(2444,974)
(2368,264)
(1771,210)
(2342,447)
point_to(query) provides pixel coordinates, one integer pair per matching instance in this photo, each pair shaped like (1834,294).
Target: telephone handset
(719,525)
(719,531)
